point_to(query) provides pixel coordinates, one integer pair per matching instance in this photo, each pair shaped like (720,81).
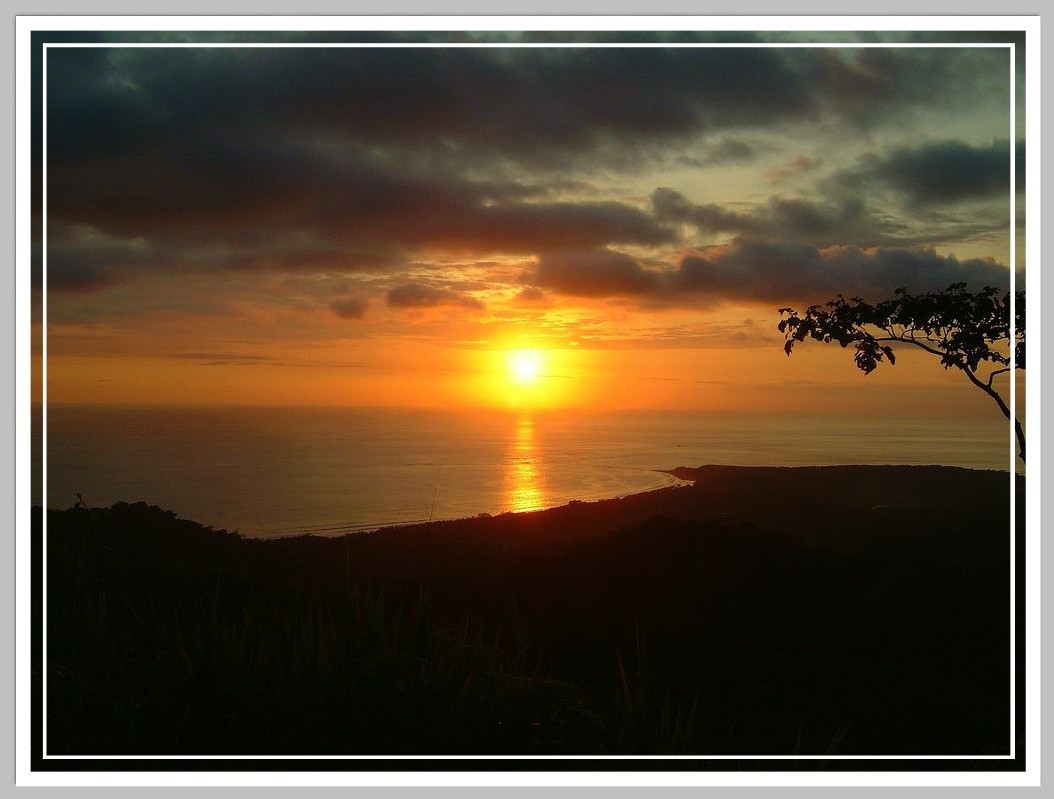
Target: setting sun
(525,367)
(522,377)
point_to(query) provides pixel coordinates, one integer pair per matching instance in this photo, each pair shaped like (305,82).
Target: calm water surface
(281,471)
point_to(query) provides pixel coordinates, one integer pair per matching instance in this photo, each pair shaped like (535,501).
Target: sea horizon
(272,471)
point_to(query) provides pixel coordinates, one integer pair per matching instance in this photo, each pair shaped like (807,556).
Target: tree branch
(991,392)
(963,329)
(985,387)
(995,372)
(912,341)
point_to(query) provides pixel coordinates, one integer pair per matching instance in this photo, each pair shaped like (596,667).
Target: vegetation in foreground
(841,610)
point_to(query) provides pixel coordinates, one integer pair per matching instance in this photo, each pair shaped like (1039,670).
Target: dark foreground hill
(833,610)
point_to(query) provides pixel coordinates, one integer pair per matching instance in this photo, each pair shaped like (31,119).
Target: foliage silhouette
(966,330)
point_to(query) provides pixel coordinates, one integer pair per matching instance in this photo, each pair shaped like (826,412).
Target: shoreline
(281,474)
(689,477)
(651,500)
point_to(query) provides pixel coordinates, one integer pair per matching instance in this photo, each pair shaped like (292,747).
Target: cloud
(755,271)
(827,222)
(114,109)
(81,258)
(541,104)
(673,207)
(767,271)
(940,172)
(600,273)
(333,161)
(297,207)
(350,307)
(418,295)
(878,86)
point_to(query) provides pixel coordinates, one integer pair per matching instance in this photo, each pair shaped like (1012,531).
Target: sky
(573,227)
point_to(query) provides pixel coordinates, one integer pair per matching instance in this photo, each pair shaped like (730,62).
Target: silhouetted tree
(966,330)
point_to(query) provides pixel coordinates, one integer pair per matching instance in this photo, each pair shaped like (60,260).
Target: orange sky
(749,377)
(302,242)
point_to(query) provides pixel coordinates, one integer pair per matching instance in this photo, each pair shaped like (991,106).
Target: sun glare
(525,366)
(525,378)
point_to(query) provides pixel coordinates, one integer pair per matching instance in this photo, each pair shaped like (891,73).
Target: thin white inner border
(1013,397)
(1030,25)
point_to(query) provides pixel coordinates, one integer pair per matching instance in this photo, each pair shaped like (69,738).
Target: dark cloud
(295,206)
(333,160)
(869,86)
(823,223)
(350,307)
(419,295)
(767,271)
(286,251)
(755,271)
(81,258)
(110,107)
(537,104)
(673,207)
(941,172)
(593,274)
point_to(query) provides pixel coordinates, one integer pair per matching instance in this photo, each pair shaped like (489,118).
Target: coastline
(282,471)
(338,529)
(707,491)
(774,497)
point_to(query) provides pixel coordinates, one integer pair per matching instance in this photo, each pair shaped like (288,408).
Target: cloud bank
(755,271)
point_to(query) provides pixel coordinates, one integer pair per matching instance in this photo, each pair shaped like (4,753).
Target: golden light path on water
(524,488)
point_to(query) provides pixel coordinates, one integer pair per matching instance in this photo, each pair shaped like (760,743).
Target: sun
(525,378)
(525,367)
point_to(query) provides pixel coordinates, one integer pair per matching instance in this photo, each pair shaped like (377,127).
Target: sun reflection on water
(524,483)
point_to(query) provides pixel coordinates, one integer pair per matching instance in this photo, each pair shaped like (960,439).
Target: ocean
(286,471)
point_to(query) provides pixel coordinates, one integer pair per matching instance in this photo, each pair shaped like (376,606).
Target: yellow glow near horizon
(526,378)
(526,367)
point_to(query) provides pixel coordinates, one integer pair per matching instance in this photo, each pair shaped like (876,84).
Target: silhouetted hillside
(848,610)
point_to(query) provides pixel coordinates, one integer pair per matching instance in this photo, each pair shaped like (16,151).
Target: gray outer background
(385,7)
